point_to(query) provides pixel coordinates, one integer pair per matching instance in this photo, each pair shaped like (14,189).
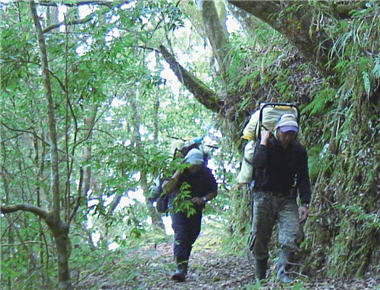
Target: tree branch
(296,25)
(51,114)
(25,131)
(217,37)
(115,202)
(200,91)
(77,4)
(80,192)
(22,244)
(25,207)
(74,22)
(58,80)
(110,4)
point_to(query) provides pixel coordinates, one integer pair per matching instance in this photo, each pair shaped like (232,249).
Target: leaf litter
(209,268)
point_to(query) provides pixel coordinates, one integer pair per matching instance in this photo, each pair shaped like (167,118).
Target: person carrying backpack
(279,160)
(202,188)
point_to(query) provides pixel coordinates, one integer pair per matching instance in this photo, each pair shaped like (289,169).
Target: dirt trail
(209,268)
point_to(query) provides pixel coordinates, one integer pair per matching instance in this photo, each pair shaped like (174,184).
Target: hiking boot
(261,269)
(282,276)
(180,274)
(281,266)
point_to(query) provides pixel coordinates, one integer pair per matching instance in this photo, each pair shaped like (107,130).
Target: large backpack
(266,117)
(180,151)
(263,119)
(184,148)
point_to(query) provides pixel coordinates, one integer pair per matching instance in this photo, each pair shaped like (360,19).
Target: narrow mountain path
(209,268)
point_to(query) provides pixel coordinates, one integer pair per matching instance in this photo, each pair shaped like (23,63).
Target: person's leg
(180,225)
(262,225)
(195,222)
(288,220)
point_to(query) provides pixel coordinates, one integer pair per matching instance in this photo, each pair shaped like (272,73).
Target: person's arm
(172,183)
(304,212)
(260,156)
(210,196)
(265,138)
(203,200)
(211,188)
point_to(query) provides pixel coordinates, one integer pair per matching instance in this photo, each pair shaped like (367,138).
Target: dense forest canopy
(95,93)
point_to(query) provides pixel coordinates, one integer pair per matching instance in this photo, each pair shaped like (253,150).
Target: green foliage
(116,76)
(237,235)
(315,162)
(320,103)
(122,266)
(182,202)
(357,214)
(376,67)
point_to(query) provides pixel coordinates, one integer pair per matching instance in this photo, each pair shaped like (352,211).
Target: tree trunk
(61,236)
(87,155)
(4,181)
(217,36)
(136,121)
(60,229)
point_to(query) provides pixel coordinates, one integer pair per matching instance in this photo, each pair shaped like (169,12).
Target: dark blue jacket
(201,183)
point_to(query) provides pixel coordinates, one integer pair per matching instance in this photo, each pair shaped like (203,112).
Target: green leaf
(367,83)
(376,68)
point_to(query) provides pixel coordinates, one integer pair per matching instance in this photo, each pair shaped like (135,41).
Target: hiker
(278,162)
(203,188)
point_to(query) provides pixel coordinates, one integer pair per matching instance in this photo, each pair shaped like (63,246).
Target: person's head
(287,129)
(195,158)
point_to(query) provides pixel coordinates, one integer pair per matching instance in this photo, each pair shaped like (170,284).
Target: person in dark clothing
(280,168)
(202,188)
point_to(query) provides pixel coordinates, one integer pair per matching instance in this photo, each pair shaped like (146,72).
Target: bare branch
(22,244)
(73,213)
(5,209)
(51,114)
(74,22)
(148,48)
(110,4)
(58,80)
(9,138)
(77,4)
(115,202)
(25,131)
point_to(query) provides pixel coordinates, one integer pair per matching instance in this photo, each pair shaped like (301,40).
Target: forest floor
(209,268)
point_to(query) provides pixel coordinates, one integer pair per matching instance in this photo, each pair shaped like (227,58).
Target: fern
(314,161)
(320,101)
(367,83)
(376,67)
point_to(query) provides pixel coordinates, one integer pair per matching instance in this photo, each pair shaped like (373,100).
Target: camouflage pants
(269,208)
